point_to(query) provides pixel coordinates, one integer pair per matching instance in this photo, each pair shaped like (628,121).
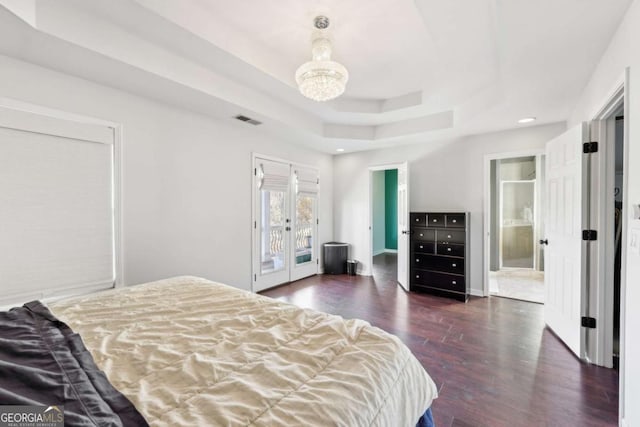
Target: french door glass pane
(272,236)
(305,206)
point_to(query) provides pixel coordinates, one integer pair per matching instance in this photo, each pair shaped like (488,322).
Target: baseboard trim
(476,293)
(383,251)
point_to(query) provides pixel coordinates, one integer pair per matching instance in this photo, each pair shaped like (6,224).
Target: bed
(187,351)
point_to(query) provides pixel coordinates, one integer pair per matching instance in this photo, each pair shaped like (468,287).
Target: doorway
(284,222)
(401,212)
(515,258)
(384,194)
(607,294)
(616,233)
(604,299)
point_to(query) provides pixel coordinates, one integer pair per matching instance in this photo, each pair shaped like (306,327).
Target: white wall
(379,214)
(623,52)
(443,176)
(186,178)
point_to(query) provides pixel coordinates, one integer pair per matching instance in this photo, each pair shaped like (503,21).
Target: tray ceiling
(419,69)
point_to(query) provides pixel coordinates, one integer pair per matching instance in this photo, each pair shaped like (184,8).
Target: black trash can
(352,267)
(335,256)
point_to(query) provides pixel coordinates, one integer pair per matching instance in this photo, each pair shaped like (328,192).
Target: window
(57,215)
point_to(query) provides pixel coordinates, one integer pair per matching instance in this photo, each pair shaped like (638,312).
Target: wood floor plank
(493,360)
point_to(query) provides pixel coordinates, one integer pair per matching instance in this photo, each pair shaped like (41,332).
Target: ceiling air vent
(247,120)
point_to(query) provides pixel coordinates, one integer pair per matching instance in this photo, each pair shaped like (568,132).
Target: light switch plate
(634,241)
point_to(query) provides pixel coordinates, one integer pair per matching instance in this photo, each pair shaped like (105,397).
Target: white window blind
(56,209)
(307,181)
(273,176)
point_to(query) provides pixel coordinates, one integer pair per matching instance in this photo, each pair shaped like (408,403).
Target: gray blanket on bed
(43,362)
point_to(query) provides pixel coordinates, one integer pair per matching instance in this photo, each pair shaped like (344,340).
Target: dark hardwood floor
(385,267)
(493,360)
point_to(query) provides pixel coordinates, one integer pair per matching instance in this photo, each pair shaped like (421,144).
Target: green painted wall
(391,208)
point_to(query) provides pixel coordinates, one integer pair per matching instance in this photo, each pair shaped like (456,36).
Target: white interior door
(563,251)
(403,225)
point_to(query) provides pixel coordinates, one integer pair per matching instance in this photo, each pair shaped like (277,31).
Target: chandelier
(321,79)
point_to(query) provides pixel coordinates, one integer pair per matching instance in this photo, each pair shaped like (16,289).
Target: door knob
(544,242)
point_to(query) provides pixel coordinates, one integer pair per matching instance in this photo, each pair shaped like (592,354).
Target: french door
(285,222)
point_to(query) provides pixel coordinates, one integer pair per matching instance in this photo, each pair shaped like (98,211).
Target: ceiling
(420,70)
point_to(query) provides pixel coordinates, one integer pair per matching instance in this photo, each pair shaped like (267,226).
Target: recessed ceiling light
(527,120)
(340,150)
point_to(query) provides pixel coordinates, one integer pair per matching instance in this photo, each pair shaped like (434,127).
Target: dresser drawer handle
(448,249)
(435,220)
(421,247)
(453,282)
(417,219)
(448,236)
(417,259)
(417,276)
(421,235)
(454,221)
(453,265)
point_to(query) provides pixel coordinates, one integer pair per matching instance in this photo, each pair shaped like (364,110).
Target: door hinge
(590,147)
(588,322)
(318,181)
(255,171)
(317,261)
(317,221)
(255,277)
(589,235)
(255,224)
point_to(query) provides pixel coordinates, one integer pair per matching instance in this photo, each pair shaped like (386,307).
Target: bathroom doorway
(516,262)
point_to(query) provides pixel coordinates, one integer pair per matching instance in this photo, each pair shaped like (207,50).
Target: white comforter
(190,352)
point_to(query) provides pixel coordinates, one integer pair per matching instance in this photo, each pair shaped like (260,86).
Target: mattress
(187,351)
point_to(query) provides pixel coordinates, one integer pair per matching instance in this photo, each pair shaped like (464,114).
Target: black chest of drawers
(440,254)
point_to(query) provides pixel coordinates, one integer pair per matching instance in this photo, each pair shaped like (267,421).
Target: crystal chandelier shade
(321,79)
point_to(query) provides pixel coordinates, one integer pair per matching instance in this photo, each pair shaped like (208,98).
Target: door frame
(369,270)
(601,297)
(618,97)
(254,264)
(486,202)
